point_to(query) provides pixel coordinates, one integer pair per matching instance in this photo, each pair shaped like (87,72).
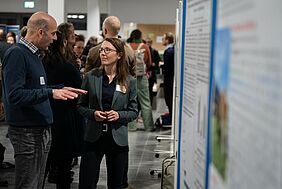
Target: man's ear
(105,32)
(40,32)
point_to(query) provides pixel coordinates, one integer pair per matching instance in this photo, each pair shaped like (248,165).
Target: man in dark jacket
(168,68)
(26,100)
(154,69)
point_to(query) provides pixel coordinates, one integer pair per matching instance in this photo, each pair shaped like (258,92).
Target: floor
(141,153)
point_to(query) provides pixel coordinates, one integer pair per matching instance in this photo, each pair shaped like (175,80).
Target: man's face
(164,40)
(48,36)
(149,42)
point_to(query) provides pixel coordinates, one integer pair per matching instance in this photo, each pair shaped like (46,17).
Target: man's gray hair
(38,24)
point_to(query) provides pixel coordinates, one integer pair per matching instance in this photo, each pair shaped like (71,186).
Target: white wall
(9,6)
(138,11)
(76,6)
(80,6)
(145,11)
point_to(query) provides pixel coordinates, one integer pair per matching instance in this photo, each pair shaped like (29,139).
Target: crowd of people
(63,100)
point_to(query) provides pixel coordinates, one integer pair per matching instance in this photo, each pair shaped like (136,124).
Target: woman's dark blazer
(124,103)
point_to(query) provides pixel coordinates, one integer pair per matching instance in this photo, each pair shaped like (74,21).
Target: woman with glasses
(108,107)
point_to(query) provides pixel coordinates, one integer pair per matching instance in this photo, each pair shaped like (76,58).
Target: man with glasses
(26,100)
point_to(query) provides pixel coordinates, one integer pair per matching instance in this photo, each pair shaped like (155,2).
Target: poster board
(197,42)
(246,134)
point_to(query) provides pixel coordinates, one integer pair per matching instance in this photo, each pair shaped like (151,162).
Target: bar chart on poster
(246,118)
(195,93)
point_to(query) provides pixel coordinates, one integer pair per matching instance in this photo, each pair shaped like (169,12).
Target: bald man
(26,100)
(111,27)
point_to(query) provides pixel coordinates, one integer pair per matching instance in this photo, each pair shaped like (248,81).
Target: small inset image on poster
(220,102)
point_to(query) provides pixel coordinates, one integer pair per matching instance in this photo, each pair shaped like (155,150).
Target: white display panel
(246,135)
(195,94)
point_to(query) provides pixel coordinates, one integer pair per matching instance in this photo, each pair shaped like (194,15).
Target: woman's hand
(100,116)
(112,115)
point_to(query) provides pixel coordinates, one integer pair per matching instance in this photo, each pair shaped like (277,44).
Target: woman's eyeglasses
(106,50)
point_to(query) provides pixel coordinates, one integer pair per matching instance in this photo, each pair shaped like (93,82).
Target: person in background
(142,83)
(11,38)
(26,100)
(111,27)
(92,42)
(78,50)
(23,31)
(66,137)
(3,48)
(3,45)
(168,68)
(154,69)
(108,107)
(67,29)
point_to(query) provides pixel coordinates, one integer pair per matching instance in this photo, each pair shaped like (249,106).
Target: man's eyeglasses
(106,50)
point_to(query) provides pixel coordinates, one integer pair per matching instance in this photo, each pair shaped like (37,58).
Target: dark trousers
(31,148)
(116,160)
(168,93)
(125,177)
(60,170)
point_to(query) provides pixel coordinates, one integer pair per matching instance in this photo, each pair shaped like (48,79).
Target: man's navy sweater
(26,96)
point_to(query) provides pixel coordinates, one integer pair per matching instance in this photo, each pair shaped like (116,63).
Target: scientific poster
(246,134)
(195,96)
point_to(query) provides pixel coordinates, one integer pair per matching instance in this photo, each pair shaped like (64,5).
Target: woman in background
(66,135)
(11,38)
(78,49)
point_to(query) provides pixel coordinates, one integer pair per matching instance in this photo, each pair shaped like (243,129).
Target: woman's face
(108,54)
(10,40)
(78,48)
(71,36)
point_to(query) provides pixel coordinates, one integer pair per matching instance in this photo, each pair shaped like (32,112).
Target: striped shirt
(31,47)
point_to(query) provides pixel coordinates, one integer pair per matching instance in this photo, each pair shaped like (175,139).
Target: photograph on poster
(220,102)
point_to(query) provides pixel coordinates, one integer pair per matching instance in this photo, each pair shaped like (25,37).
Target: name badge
(42,80)
(121,89)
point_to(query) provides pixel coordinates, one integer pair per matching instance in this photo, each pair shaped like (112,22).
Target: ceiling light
(81,16)
(74,16)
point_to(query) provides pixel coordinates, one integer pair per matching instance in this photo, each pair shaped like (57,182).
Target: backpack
(164,119)
(140,67)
